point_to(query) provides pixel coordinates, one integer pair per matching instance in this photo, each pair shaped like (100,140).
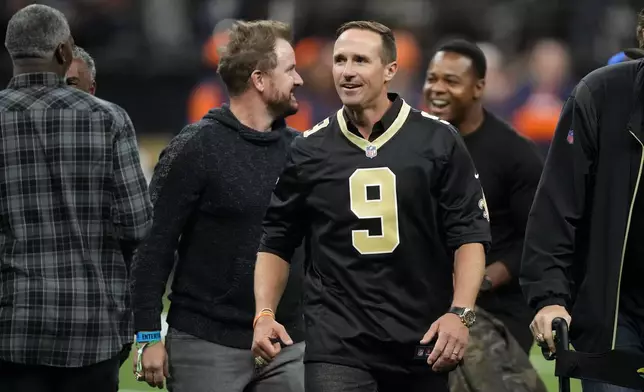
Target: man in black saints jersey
(396,230)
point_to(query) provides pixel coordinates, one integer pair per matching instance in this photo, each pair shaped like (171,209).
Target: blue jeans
(630,337)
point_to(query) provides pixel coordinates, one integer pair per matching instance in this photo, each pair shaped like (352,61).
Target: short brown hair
(640,29)
(388,41)
(251,46)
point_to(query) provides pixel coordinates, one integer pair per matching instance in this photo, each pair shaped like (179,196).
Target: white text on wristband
(144,337)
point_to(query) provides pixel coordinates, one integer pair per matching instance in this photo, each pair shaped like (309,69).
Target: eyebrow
(352,55)
(444,74)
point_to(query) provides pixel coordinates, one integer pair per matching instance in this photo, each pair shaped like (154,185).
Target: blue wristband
(147,337)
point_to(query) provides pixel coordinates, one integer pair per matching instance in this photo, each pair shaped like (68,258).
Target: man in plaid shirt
(73,205)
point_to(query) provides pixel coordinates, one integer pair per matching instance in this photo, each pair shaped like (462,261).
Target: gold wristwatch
(467,315)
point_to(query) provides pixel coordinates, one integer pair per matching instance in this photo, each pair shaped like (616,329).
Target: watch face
(469,317)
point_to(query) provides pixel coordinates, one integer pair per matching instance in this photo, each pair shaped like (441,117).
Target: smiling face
(359,72)
(282,82)
(452,87)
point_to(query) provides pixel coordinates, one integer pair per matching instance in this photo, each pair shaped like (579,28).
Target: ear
(59,54)
(479,88)
(390,71)
(258,80)
(64,54)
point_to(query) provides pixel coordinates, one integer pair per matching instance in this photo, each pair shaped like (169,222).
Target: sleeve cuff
(286,256)
(147,321)
(550,301)
(483,239)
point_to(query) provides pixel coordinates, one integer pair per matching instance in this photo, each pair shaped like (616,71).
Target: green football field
(545,368)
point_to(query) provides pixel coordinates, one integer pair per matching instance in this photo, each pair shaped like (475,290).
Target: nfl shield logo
(371,151)
(571,137)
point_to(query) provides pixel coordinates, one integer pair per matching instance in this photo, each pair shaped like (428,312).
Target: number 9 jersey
(381,221)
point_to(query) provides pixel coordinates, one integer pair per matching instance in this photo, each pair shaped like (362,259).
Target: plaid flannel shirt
(71,189)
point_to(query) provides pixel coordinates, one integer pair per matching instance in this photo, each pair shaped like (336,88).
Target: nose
(348,71)
(298,81)
(436,87)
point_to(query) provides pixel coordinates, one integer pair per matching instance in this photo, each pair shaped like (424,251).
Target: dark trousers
(327,377)
(100,377)
(125,354)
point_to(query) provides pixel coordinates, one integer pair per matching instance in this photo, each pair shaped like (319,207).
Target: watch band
(457,310)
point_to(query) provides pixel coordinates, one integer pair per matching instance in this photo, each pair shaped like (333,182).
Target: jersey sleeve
(461,201)
(285,219)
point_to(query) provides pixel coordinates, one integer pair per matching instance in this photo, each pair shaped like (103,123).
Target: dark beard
(281,108)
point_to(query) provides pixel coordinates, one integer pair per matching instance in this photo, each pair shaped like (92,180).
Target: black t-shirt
(510,167)
(382,219)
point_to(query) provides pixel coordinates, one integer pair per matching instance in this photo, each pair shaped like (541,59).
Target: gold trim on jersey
(380,141)
(322,124)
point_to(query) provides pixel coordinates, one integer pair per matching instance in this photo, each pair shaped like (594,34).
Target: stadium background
(157,58)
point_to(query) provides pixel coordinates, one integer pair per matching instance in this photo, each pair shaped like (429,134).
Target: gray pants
(200,366)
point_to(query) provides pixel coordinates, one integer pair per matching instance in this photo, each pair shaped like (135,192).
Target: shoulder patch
(571,137)
(483,206)
(322,124)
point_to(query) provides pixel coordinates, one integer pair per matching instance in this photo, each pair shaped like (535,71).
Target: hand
(450,347)
(498,274)
(268,329)
(541,326)
(154,362)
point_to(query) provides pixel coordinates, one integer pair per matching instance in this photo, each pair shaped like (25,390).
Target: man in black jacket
(582,254)
(210,192)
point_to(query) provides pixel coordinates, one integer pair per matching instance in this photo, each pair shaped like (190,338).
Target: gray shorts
(200,366)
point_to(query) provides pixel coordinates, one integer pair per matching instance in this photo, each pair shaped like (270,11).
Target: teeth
(439,102)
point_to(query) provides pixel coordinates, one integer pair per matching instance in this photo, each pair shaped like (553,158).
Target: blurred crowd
(158,58)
